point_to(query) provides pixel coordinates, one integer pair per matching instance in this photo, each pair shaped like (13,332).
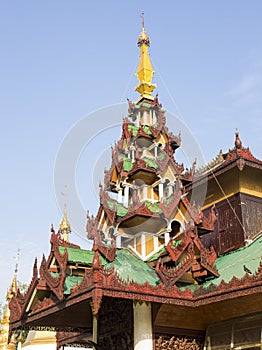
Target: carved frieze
(178,343)
(115,324)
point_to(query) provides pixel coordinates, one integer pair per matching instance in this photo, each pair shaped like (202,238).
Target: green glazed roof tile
(134,129)
(81,256)
(121,210)
(232,264)
(150,162)
(145,104)
(154,207)
(157,255)
(147,130)
(130,268)
(128,164)
(70,282)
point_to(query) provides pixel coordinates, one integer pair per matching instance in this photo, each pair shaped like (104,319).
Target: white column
(150,117)
(133,153)
(154,117)
(126,193)
(167,237)
(155,243)
(145,117)
(161,191)
(138,118)
(143,334)
(144,193)
(156,150)
(143,245)
(119,198)
(118,241)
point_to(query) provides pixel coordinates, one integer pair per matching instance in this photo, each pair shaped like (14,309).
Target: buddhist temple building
(164,272)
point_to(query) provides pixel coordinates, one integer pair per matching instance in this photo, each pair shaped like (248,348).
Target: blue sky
(62,60)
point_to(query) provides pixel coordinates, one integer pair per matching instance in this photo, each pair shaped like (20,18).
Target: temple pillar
(126,194)
(138,118)
(95,328)
(119,197)
(156,150)
(143,245)
(161,191)
(167,237)
(143,333)
(118,241)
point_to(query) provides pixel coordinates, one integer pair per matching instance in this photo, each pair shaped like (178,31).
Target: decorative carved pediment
(108,253)
(192,210)
(45,303)
(207,223)
(56,284)
(170,275)
(187,253)
(108,204)
(177,245)
(93,233)
(91,228)
(20,301)
(169,205)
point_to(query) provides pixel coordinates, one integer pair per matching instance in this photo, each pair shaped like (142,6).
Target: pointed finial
(52,229)
(17,258)
(142,16)
(65,227)
(238,143)
(13,287)
(220,156)
(144,70)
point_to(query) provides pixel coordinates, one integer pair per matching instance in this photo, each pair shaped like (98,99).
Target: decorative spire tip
(142,16)
(144,71)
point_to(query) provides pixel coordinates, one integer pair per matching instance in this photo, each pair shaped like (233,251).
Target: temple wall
(115,324)
(239,219)
(240,333)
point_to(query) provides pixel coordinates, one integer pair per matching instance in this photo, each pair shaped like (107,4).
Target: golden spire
(144,70)
(13,287)
(5,321)
(65,227)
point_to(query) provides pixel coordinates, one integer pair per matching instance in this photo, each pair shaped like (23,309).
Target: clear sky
(61,60)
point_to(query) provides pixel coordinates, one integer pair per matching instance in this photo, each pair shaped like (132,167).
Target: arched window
(175,229)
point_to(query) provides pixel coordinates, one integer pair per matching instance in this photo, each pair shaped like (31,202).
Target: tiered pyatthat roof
(148,183)
(143,204)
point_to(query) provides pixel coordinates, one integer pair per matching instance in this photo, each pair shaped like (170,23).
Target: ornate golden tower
(5,321)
